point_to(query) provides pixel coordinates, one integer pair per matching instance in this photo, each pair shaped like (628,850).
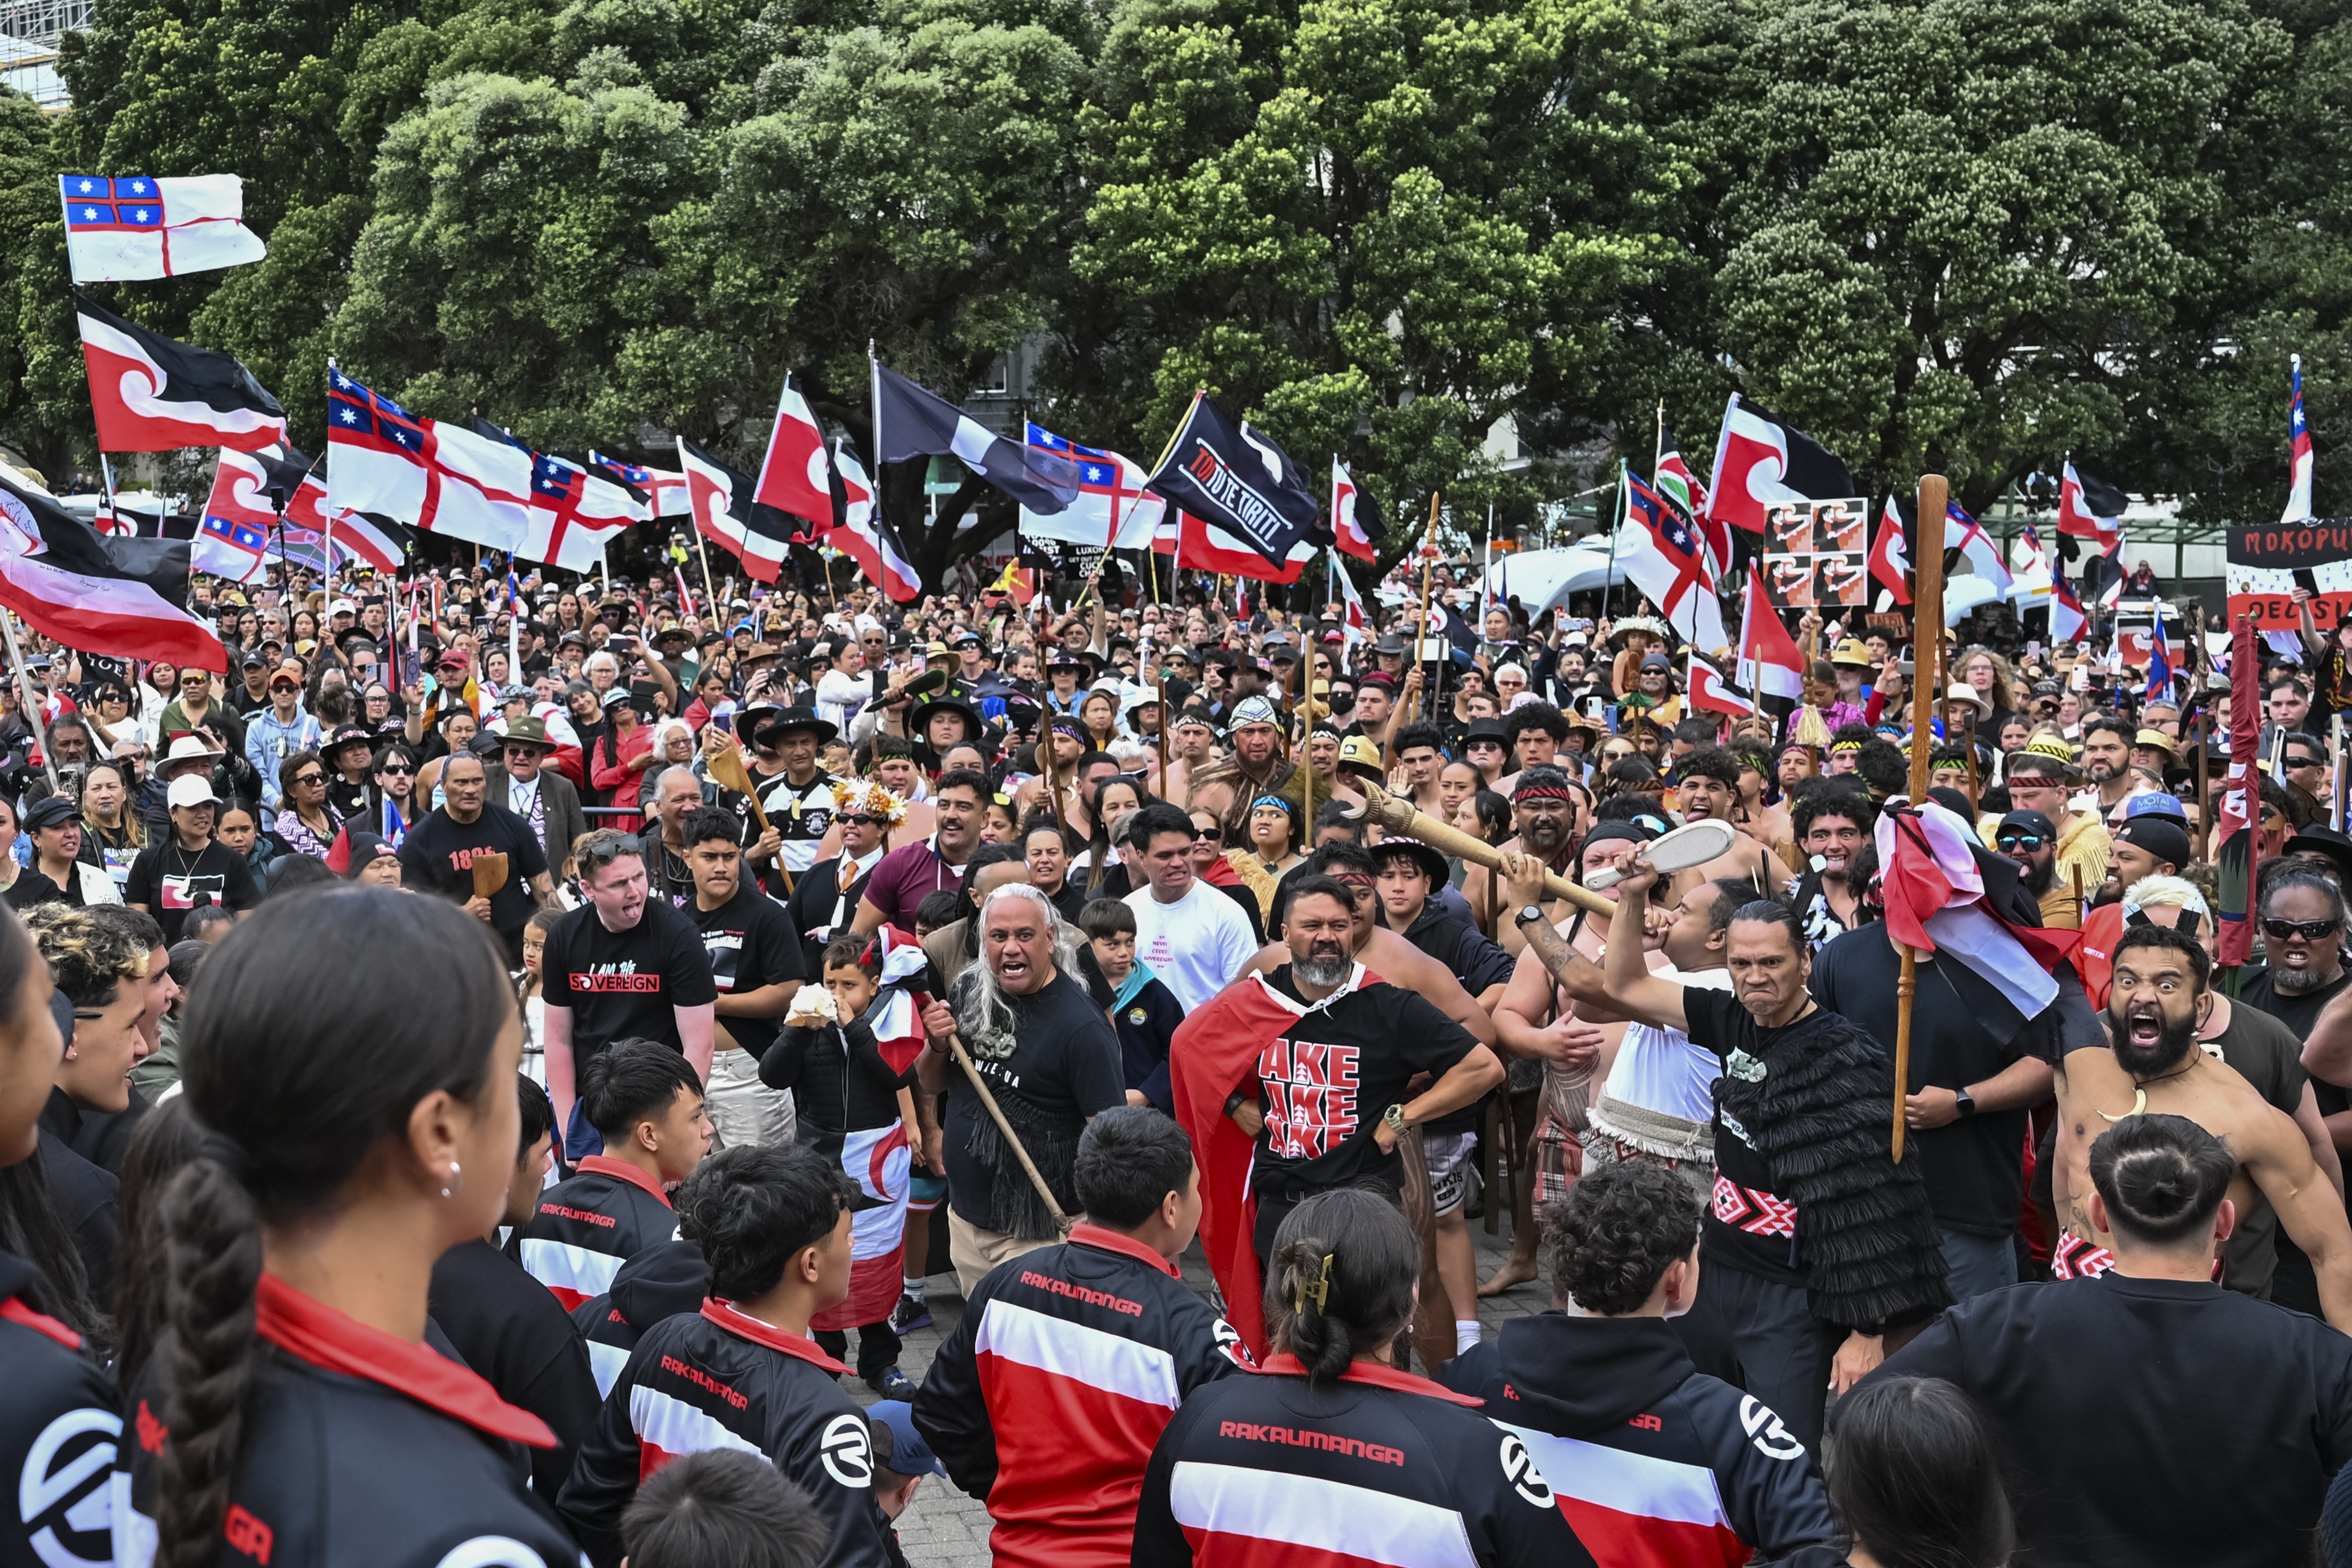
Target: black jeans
(878,1347)
(1756,1334)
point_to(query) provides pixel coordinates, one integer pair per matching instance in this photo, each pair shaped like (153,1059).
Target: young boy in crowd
(1144,1011)
(853,1107)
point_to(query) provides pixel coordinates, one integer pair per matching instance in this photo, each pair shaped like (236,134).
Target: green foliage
(1953,233)
(1378,230)
(1967,234)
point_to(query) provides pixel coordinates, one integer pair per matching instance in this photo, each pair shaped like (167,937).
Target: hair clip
(1319,1293)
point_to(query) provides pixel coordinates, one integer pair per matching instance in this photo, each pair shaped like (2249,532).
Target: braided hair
(294,1097)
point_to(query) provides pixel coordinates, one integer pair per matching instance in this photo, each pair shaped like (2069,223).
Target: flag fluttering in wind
(125,596)
(664,490)
(1352,625)
(795,477)
(1669,565)
(1711,692)
(129,227)
(1770,663)
(1112,510)
(2067,619)
(438,476)
(1683,489)
(1233,476)
(149,393)
(727,513)
(1761,462)
(1890,553)
(2088,507)
(911,422)
(1356,522)
(2298,435)
(236,534)
(1983,555)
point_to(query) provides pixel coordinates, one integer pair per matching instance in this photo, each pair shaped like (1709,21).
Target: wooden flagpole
(1927,622)
(1428,569)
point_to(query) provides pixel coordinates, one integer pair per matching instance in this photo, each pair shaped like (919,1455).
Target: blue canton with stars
(353,409)
(96,202)
(552,476)
(1098,469)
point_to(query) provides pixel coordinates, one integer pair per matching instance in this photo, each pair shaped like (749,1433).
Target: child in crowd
(1144,1011)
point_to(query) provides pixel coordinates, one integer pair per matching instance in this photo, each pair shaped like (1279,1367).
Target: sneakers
(909,1315)
(892,1384)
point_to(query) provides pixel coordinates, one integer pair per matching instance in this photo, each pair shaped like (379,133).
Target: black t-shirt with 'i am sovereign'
(622,984)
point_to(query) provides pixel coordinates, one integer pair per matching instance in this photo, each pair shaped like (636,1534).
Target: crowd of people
(501,1083)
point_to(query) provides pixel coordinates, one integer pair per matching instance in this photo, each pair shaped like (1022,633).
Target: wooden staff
(2204,805)
(1397,814)
(1421,627)
(1927,620)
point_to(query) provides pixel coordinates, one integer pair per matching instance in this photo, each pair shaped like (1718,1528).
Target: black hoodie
(1653,1460)
(664,1279)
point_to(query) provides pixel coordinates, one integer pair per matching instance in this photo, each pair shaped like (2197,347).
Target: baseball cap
(2027,823)
(190,789)
(909,1455)
(2158,803)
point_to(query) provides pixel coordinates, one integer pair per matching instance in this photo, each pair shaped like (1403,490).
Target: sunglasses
(862,820)
(284,686)
(397,770)
(2303,762)
(2309,930)
(1214,835)
(2026,842)
(310,779)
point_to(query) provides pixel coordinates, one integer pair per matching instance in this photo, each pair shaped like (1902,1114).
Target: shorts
(926,1192)
(1451,1172)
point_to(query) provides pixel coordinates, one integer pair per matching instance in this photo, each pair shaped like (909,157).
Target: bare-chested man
(1706,786)
(1543,819)
(1226,787)
(2157,1000)
(1191,747)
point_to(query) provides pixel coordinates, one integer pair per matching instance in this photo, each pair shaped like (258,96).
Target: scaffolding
(30,34)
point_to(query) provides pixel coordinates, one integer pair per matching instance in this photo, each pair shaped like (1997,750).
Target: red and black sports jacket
(361,1451)
(721,1379)
(1381,1468)
(1047,1398)
(588,1227)
(59,1425)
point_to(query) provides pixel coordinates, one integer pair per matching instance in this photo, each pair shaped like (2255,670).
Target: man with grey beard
(1330,1103)
(2303,939)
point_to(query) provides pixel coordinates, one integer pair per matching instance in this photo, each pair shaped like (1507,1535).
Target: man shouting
(2156,1000)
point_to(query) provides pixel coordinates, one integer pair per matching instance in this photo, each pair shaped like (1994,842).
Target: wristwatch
(1394,1117)
(1528,916)
(1967,1105)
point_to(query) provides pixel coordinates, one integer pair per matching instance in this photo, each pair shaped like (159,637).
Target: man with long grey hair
(1051,1062)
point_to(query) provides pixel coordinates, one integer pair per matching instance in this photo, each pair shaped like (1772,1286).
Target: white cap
(192,789)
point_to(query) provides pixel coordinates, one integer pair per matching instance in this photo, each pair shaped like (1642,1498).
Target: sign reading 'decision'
(2262,560)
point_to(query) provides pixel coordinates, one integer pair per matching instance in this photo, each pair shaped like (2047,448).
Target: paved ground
(944,1528)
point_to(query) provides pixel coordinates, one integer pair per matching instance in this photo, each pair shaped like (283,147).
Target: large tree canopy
(1958,234)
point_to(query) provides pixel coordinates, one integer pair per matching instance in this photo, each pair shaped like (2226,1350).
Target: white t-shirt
(1197,946)
(1660,1070)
